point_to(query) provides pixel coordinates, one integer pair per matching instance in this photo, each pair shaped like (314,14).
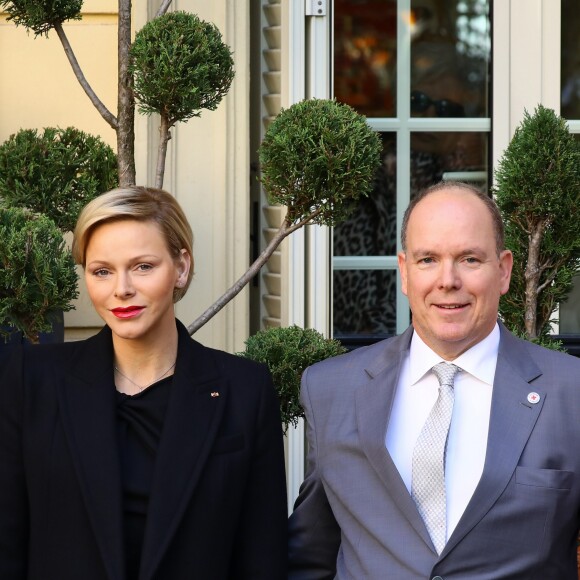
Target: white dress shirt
(417,391)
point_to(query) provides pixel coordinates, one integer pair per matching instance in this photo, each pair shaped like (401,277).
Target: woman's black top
(140,421)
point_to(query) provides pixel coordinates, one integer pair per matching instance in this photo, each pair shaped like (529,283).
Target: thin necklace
(142,388)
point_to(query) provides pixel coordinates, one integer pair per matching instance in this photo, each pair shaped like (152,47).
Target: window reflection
(454,34)
(570,109)
(446,83)
(364,302)
(570,68)
(447,155)
(371,230)
(365,53)
(570,311)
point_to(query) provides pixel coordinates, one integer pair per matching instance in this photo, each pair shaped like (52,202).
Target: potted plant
(538,193)
(37,273)
(287,352)
(180,66)
(53,174)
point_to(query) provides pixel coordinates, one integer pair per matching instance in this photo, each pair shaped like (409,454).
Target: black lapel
(87,402)
(191,424)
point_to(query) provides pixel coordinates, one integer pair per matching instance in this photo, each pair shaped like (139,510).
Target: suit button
(436,578)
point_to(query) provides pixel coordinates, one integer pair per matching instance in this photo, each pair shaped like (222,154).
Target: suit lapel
(190,427)
(374,401)
(512,420)
(87,402)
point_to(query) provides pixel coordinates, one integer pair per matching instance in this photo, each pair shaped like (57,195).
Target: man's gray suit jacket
(354,517)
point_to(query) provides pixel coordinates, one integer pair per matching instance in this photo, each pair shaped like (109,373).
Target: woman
(138,453)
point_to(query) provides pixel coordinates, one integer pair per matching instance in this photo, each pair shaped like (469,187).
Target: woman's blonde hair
(143,204)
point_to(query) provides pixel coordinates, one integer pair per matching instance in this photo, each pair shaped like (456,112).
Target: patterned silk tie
(428,485)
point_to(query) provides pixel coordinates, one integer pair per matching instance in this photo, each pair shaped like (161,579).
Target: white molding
(309,76)
(295,462)
(432,124)
(551,17)
(237,174)
(364,263)
(526,64)
(403,144)
(501,131)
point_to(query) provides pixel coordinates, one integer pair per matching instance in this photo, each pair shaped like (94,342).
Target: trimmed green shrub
(37,273)
(287,352)
(180,66)
(56,172)
(41,15)
(319,157)
(538,193)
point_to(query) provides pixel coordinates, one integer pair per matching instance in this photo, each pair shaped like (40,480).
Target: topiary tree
(37,274)
(41,16)
(55,173)
(538,192)
(179,63)
(180,66)
(318,158)
(287,352)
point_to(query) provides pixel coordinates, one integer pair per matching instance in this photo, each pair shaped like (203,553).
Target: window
(570,110)
(420,71)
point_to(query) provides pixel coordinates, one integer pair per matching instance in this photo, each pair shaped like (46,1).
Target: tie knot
(445,373)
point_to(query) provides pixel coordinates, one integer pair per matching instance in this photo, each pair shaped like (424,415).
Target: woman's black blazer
(217,508)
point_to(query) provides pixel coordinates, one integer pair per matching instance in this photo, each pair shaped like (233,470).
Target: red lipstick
(127,312)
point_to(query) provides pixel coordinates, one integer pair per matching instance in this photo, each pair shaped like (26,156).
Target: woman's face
(130,277)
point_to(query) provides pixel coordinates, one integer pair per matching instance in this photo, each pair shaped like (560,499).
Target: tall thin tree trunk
(532,277)
(125,101)
(164,136)
(283,231)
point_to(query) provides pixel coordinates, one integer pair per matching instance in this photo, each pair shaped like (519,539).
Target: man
(501,499)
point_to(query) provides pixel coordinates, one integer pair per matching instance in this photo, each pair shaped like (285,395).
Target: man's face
(451,272)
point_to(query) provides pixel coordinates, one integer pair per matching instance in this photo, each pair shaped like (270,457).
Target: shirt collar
(480,360)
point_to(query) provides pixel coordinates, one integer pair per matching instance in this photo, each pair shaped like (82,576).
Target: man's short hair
(488,201)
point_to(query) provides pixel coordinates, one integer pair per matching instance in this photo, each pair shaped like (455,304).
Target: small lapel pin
(215,394)
(533,398)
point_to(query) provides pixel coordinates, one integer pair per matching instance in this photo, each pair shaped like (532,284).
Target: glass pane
(570,109)
(570,73)
(448,155)
(570,311)
(450,58)
(364,302)
(371,230)
(365,54)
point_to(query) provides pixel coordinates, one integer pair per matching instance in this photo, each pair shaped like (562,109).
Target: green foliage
(319,155)
(180,66)
(55,173)
(544,340)
(40,16)
(287,352)
(37,274)
(538,192)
